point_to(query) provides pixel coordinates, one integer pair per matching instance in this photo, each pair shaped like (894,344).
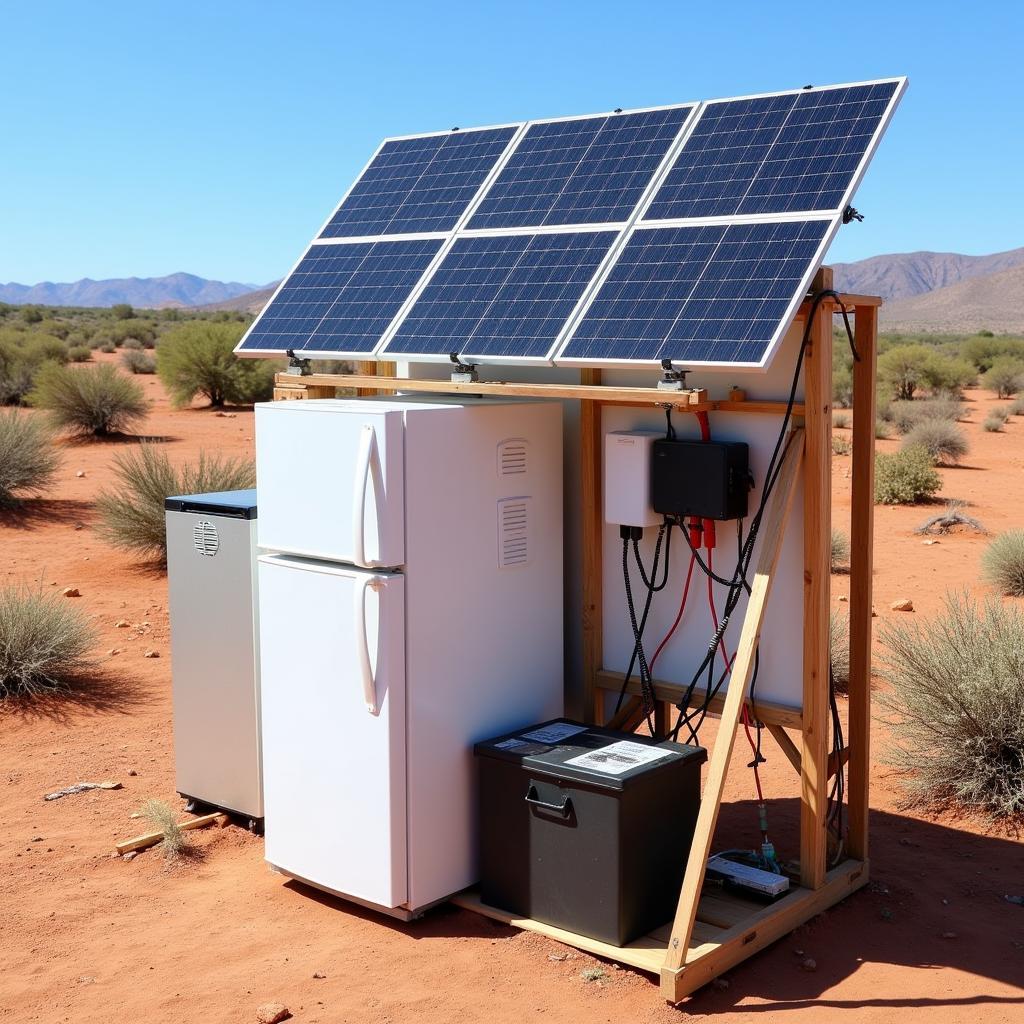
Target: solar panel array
(688,232)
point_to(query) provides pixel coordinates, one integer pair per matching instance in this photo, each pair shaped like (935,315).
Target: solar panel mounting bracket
(297,366)
(463,373)
(671,378)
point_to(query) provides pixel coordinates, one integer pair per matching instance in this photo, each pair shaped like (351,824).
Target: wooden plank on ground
(152,838)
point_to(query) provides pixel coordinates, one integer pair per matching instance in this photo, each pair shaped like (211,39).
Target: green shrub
(122,311)
(21,356)
(1002,564)
(131,343)
(841,421)
(198,359)
(1016,407)
(983,349)
(905,477)
(906,415)
(28,458)
(994,421)
(123,331)
(957,701)
(842,387)
(79,354)
(138,361)
(31,314)
(108,347)
(132,513)
(89,400)
(840,551)
(839,650)
(945,442)
(950,375)
(44,639)
(1005,376)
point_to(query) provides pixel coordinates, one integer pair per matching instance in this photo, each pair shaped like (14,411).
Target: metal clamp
(671,379)
(462,373)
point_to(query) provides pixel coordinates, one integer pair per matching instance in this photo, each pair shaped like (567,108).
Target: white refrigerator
(410,592)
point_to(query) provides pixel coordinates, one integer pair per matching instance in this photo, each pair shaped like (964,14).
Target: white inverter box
(627,478)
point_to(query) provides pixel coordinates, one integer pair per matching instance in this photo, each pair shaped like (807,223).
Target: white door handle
(363,644)
(363,460)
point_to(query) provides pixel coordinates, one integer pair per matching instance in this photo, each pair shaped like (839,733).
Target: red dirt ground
(87,937)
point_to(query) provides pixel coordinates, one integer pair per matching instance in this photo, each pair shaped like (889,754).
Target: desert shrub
(22,354)
(905,415)
(840,556)
(983,349)
(161,816)
(950,375)
(132,513)
(123,331)
(107,346)
(198,359)
(31,314)
(28,458)
(841,445)
(903,369)
(953,516)
(994,421)
(945,442)
(1005,376)
(122,311)
(44,639)
(79,354)
(89,400)
(1016,407)
(883,431)
(957,699)
(905,477)
(839,650)
(841,421)
(1002,564)
(138,361)
(131,343)
(842,387)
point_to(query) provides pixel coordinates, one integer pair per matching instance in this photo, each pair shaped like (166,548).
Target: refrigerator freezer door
(331,481)
(333,694)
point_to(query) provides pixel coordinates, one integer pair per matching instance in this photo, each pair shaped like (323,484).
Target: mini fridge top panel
(331,481)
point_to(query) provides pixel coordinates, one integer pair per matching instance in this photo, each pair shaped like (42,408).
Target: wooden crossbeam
(773,529)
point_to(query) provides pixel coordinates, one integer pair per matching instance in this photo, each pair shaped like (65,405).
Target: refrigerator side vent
(513,532)
(512,457)
(206,538)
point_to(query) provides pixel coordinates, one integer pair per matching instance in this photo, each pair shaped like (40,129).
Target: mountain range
(144,292)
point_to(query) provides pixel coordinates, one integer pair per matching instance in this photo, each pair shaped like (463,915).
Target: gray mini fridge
(211,574)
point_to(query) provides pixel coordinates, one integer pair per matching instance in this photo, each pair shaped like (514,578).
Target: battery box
(585,828)
(705,479)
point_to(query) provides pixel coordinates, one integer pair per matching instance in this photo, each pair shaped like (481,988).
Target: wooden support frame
(713,931)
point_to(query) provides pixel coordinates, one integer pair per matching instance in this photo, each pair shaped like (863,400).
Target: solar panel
(501,296)
(794,152)
(341,298)
(717,293)
(584,171)
(419,184)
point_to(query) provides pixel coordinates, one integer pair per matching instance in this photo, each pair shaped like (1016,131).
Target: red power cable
(679,615)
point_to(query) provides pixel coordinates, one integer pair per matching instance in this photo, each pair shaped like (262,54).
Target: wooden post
(370,368)
(591,537)
(862,521)
(817,543)
(772,532)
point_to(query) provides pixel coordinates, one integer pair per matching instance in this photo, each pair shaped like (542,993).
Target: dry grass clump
(839,650)
(137,361)
(840,554)
(958,704)
(950,518)
(132,513)
(995,421)
(1016,407)
(841,445)
(1002,564)
(28,458)
(94,400)
(161,815)
(906,415)
(841,420)
(905,477)
(944,441)
(43,642)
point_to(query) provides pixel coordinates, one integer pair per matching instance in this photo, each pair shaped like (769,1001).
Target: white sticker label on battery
(511,744)
(554,733)
(618,758)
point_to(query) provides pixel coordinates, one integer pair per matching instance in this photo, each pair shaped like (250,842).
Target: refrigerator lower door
(333,695)
(331,481)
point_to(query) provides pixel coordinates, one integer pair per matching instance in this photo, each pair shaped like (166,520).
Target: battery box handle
(533,797)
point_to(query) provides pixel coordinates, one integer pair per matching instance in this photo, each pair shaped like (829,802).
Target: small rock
(37,839)
(799,952)
(949,935)
(904,604)
(79,526)
(86,979)
(122,624)
(808,964)
(113,651)
(1019,900)
(272,1013)
(72,592)
(556,956)
(80,473)
(720,983)
(130,855)
(132,771)
(319,974)
(931,541)
(842,597)
(152,654)
(874,614)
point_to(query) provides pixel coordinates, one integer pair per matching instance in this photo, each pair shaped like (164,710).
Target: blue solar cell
(773,154)
(341,298)
(502,296)
(416,185)
(698,294)
(587,171)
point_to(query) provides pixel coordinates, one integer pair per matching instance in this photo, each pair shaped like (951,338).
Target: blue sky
(143,139)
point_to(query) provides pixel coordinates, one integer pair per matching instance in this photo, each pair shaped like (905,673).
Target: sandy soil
(87,937)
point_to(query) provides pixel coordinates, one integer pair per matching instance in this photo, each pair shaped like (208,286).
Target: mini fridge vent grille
(512,457)
(513,532)
(207,541)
